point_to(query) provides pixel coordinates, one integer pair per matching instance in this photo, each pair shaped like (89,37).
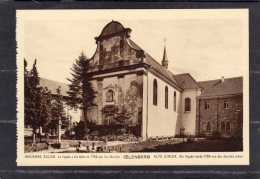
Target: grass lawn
(173,145)
(204,145)
(34,148)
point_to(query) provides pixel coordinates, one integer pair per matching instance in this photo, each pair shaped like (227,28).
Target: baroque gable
(114,50)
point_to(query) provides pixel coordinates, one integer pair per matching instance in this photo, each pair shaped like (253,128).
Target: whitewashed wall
(161,121)
(188,118)
(74,113)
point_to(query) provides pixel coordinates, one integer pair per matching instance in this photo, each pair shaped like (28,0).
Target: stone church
(158,102)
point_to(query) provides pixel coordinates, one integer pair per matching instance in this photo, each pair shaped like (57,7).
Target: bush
(180,136)
(190,139)
(215,135)
(80,131)
(201,136)
(68,135)
(120,131)
(135,130)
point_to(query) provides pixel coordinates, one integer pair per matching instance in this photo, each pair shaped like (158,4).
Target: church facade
(125,77)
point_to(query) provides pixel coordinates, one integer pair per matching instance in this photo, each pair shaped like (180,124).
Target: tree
(57,112)
(80,91)
(80,130)
(32,98)
(37,100)
(27,95)
(45,107)
(123,117)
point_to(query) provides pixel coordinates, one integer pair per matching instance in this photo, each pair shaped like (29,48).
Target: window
(222,126)
(154,92)
(239,107)
(207,105)
(174,101)
(187,104)
(109,119)
(110,96)
(208,126)
(204,126)
(228,126)
(166,97)
(75,108)
(226,104)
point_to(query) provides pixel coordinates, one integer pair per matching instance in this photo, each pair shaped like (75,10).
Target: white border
(24,15)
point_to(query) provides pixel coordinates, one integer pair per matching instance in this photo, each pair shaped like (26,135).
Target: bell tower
(165,60)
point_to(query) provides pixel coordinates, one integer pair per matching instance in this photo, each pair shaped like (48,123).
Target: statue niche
(110,96)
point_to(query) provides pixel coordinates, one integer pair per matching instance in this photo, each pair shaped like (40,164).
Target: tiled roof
(186,81)
(53,86)
(154,64)
(134,45)
(217,88)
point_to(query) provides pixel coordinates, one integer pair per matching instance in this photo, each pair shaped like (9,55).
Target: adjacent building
(220,107)
(73,113)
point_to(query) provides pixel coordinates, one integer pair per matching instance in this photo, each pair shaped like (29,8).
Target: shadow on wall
(179,111)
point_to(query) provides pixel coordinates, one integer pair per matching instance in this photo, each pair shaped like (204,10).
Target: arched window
(155,92)
(228,126)
(174,101)
(110,96)
(223,126)
(208,126)
(187,104)
(204,126)
(109,119)
(166,97)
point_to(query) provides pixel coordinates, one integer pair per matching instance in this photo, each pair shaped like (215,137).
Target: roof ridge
(181,74)
(167,73)
(195,80)
(53,81)
(220,79)
(153,59)
(214,88)
(146,53)
(188,78)
(131,41)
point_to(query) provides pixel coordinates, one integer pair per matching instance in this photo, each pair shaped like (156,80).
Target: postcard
(125,87)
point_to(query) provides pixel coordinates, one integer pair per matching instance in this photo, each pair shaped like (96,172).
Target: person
(93,146)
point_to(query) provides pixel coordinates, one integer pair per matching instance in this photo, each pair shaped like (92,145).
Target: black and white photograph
(132,87)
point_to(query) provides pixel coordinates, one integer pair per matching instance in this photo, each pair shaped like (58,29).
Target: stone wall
(120,92)
(218,117)
(127,92)
(114,52)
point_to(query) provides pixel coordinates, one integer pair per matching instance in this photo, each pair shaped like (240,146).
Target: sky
(208,44)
